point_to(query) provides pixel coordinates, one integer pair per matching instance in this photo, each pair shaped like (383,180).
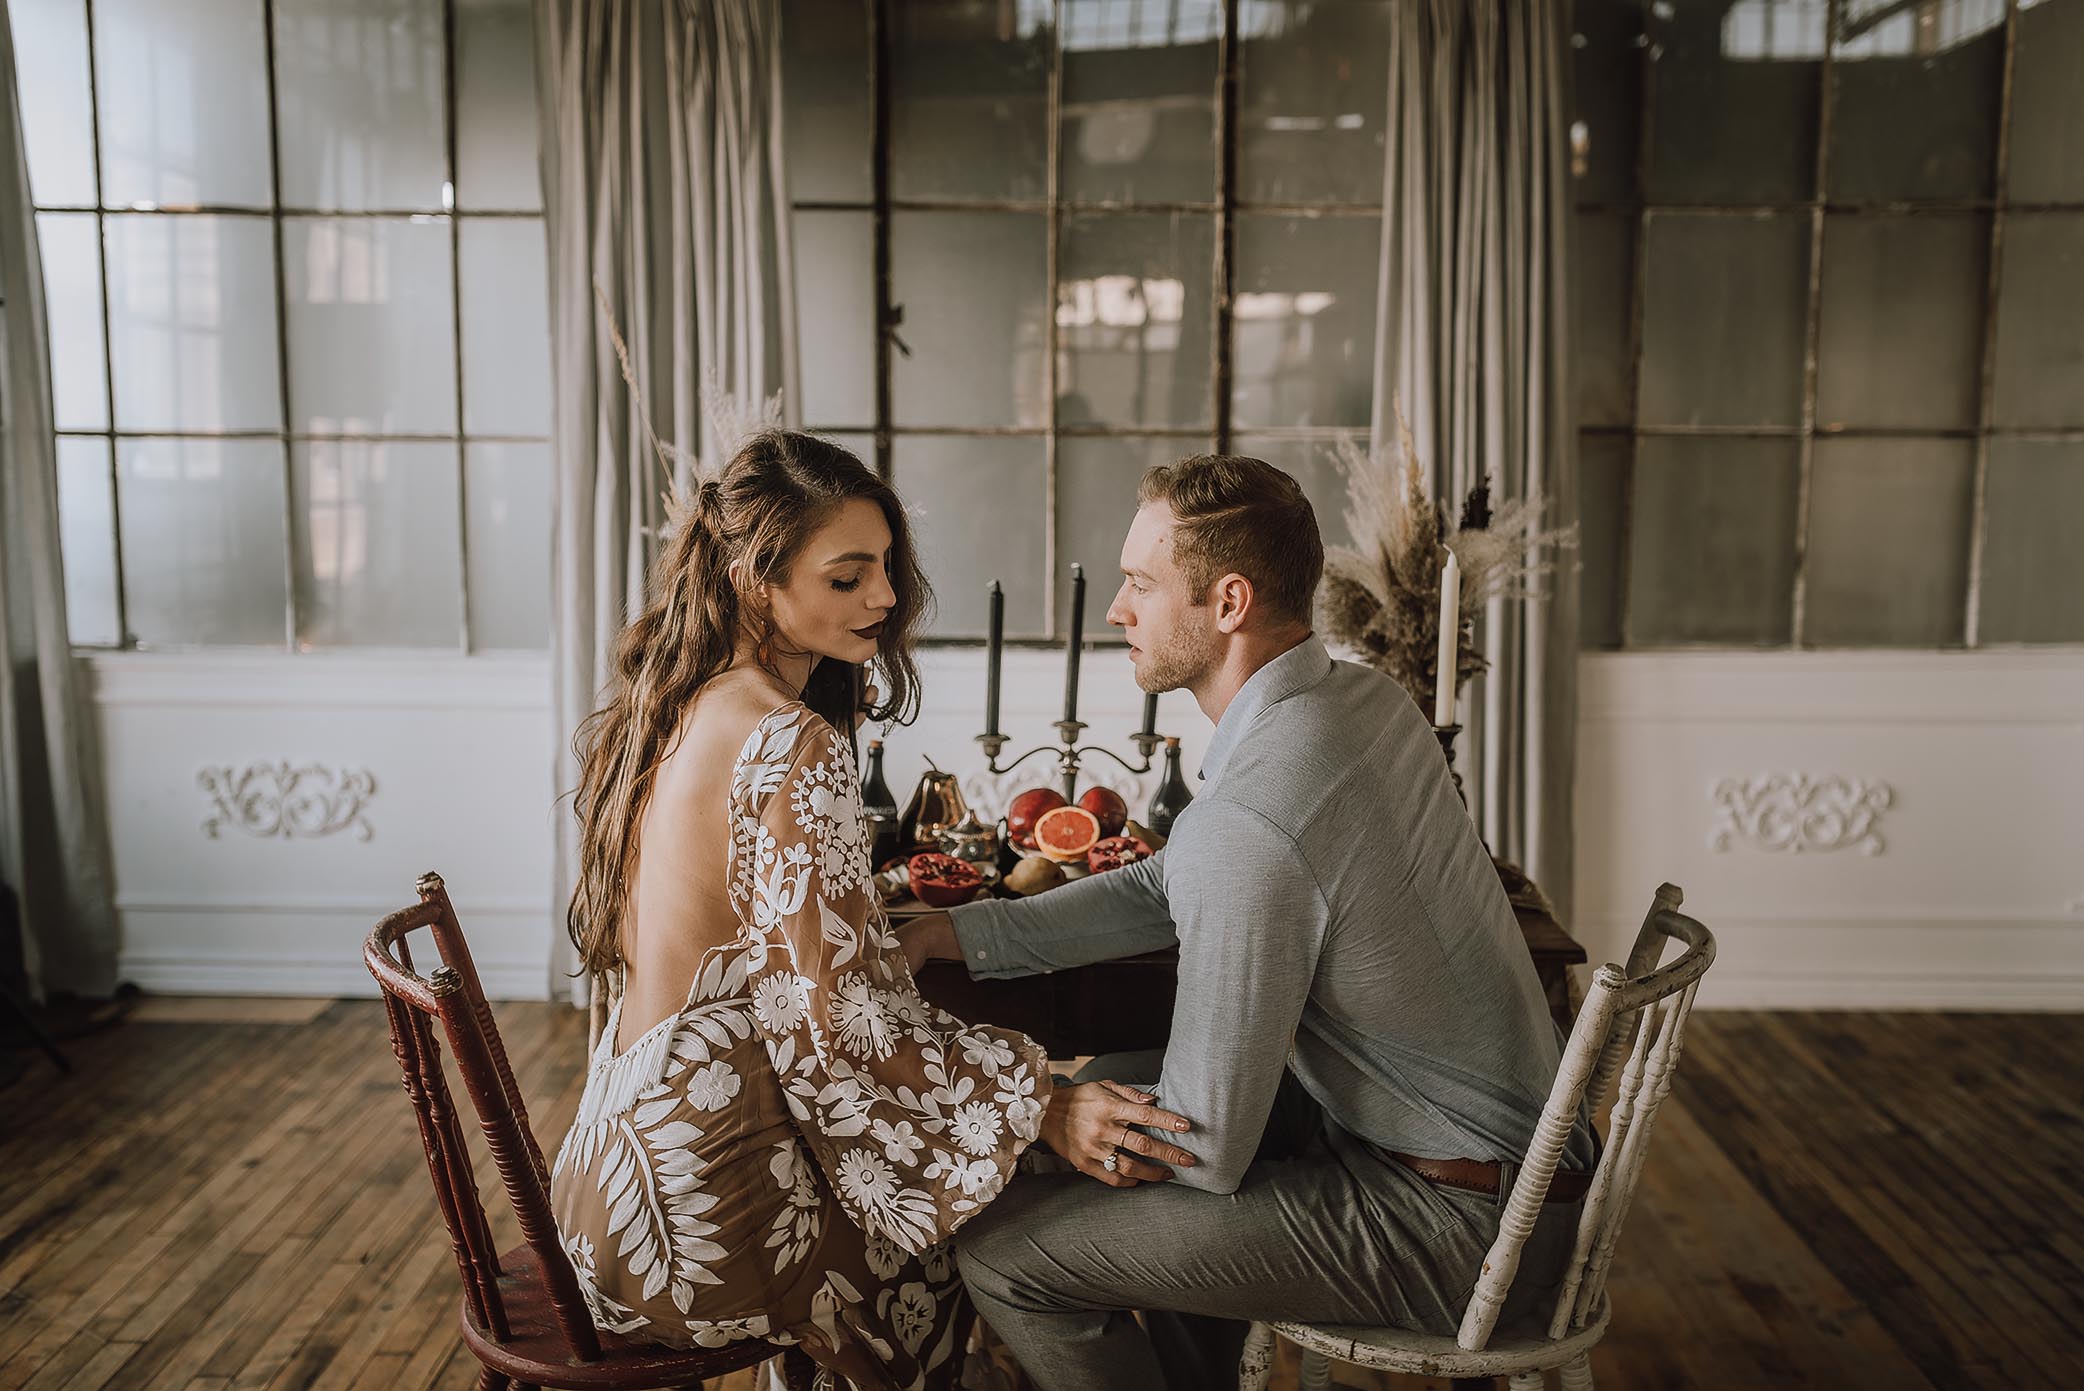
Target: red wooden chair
(523,1316)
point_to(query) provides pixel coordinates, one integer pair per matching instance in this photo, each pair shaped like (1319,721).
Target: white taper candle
(1450,634)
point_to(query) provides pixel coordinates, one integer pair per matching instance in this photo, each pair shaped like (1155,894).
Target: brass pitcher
(937,803)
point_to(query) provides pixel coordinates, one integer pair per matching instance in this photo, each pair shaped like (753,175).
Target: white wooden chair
(1641,1012)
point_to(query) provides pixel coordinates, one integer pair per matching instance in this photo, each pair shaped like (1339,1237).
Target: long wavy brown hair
(779,489)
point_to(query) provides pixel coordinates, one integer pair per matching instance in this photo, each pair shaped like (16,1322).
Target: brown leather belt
(1481,1176)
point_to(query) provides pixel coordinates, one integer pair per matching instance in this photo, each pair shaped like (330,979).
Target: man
(1359,1041)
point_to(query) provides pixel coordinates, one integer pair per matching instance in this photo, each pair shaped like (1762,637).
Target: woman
(778,1135)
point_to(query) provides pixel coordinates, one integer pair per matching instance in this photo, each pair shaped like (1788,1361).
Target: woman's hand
(1087,1122)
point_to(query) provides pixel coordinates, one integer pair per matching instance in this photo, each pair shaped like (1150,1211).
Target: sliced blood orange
(1066,833)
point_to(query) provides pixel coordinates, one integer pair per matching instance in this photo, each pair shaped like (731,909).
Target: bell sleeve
(915,1117)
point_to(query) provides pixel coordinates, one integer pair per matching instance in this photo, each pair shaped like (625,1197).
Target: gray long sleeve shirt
(1335,914)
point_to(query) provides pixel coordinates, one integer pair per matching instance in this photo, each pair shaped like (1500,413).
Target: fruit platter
(1046,842)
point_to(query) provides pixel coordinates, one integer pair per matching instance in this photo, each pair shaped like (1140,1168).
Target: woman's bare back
(680,903)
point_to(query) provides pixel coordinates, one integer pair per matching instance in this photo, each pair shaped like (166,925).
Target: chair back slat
(1600,1195)
(455,1188)
(453,995)
(1655,1086)
(1605,1027)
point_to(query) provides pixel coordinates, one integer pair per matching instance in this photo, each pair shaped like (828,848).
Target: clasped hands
(1088,1123)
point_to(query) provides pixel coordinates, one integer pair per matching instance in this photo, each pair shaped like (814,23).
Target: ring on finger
(1112,1161)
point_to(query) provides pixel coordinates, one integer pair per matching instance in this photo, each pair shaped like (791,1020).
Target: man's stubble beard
(1179,662)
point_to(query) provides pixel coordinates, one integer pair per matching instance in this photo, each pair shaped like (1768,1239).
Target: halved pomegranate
(942,881)
(1114,852)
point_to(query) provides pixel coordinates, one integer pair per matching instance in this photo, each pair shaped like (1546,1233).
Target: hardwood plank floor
(229,1195)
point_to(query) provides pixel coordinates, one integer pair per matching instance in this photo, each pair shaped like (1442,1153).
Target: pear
(1034,875)
(1143,833)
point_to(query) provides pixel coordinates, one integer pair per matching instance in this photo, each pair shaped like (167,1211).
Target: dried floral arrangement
(1381,596)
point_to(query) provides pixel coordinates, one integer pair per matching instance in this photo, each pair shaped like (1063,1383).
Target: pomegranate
(942,881)
(1107,808)
(1025,810)
(1114,852)
(1066,833)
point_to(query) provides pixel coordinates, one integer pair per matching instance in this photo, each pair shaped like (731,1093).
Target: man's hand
(1086,1122)
(928,937)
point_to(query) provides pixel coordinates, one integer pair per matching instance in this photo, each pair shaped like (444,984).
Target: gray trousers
(1325,1228)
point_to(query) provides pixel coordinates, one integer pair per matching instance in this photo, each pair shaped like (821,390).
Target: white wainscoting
(458,755)
(1944,868)
(1964,890)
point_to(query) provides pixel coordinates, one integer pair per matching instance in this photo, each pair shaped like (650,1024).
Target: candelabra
(1068,753)
(1446,733)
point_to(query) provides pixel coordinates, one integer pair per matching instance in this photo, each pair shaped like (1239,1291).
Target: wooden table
(1123,1006)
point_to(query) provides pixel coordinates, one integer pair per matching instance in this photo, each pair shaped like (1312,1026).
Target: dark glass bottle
(880,807)
(1172,796)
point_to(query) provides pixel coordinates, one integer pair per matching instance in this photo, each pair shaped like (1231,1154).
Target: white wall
(1964,888)
(1945,870)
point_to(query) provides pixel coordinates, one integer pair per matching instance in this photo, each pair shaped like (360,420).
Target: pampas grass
(1381,596)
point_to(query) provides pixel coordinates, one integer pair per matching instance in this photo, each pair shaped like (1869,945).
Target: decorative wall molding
(292,800)
(1800,812)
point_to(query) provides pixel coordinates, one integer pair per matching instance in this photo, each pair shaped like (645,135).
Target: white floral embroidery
(858,1019)
(975,1127)
(901,1144)
(713,1087)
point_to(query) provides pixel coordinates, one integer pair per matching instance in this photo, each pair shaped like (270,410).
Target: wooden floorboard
(230,1196)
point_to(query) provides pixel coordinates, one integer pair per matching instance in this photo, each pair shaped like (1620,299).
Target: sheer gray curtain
(1472,339)
(53,830)
(667,215)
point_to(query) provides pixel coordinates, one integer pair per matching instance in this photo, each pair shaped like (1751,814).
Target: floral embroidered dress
(786,1157)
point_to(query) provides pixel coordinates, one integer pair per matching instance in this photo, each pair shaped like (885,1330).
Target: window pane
(976,508)
(1608,67)
(1603,316)
(1917,101)
(2047,139)
(1711,541)
(184,103)
(1095,502)
(496,166)
(1315,464)
(968,101)
(1304,320)
(825,62)
(203,552)
(358,96)
(192,323)
(87,536)
(1737,93)
(371,326)
(1888,542)
(1134,317)
(1311,108)
(508,490)
(71,251)
(1725,304)
(2033,568)
(1901,329)
(376,544)
(50,53)
(1602,483)
(972,288)
(836,312)
(2040,321)
(506,327)
(1140,101)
